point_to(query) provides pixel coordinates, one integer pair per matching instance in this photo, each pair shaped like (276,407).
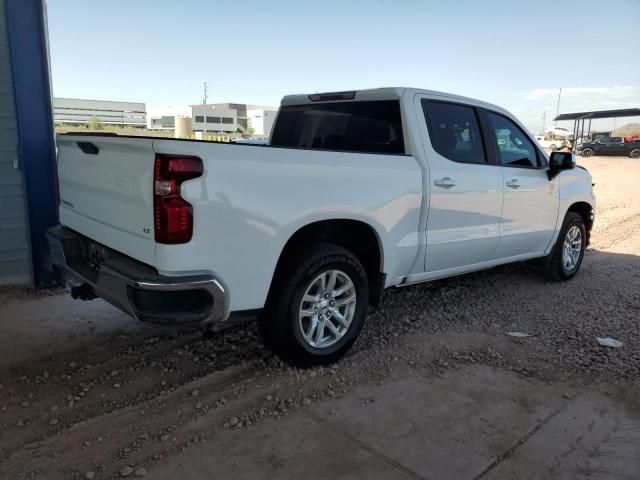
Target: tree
(251,131)
(94,123)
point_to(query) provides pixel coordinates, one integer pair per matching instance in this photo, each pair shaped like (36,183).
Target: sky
(515,53)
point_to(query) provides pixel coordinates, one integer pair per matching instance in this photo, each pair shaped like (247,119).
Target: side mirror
(559,161)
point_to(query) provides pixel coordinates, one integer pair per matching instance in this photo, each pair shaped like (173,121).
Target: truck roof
(386,93)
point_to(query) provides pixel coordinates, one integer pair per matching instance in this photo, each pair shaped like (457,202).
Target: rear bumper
(135,288)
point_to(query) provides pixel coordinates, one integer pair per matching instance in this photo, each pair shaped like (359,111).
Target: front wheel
(635,153)
(566,257)
(316,307)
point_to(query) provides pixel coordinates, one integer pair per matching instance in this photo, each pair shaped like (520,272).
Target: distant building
(77,111)
(212,118)
(164,118)
(261,121)
(234,117)
(163,122)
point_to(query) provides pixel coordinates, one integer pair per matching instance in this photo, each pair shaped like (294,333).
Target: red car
(635,138)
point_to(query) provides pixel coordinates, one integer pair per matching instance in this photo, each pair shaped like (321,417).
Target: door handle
(513,183)
(445,182)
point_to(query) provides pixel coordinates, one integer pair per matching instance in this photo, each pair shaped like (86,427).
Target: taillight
(173,215)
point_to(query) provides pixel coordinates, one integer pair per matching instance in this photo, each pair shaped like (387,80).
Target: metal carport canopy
(579,118)
(623,112)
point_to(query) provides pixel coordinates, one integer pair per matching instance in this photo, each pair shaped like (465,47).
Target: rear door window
(368,127)
(454,131)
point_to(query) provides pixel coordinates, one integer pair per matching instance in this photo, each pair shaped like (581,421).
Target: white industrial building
(77,111)
(214,118)
(164,118)
(261,120)
(234,117)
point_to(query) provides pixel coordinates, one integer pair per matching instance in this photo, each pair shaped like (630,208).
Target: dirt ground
(434,388)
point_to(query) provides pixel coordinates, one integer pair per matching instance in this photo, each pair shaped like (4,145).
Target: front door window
(514,147)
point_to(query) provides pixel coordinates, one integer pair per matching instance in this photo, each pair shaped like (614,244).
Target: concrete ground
(434,389)
(467,421)
(478,423)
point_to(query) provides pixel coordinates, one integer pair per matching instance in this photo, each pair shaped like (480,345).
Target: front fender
(575,187)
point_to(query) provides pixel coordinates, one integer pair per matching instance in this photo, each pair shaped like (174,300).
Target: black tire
(635,153)
(553,265)
(279,322)
(588,152)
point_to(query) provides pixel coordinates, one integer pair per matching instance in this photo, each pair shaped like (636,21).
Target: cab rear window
(367,127)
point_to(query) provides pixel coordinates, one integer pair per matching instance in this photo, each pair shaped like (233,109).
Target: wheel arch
(585,210)
(357,236)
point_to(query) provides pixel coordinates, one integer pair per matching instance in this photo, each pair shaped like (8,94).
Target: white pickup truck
(355,193)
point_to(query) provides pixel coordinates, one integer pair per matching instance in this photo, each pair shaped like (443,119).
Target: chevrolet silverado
(356,192)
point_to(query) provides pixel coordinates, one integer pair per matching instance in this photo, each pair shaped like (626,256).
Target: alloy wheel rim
(327,309)
(572,248)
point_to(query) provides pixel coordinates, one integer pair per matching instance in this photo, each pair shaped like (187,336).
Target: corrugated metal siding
(15,261)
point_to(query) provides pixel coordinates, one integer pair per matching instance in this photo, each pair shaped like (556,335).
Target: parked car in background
(558,131)
(610,146)
(356,192)
(550,144)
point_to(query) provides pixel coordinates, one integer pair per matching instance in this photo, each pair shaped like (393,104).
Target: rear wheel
(635,153)
(316,307)
(566,257)
(587,152)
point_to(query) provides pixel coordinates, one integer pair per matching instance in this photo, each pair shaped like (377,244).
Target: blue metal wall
(15,250)
(29,65)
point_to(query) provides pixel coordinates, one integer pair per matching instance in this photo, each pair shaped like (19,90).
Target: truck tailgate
(106,191)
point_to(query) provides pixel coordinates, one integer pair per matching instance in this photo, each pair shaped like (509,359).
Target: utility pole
(558,106)
(204,106)
(544,119)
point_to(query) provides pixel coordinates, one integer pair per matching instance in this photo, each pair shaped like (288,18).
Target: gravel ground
(111,408)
